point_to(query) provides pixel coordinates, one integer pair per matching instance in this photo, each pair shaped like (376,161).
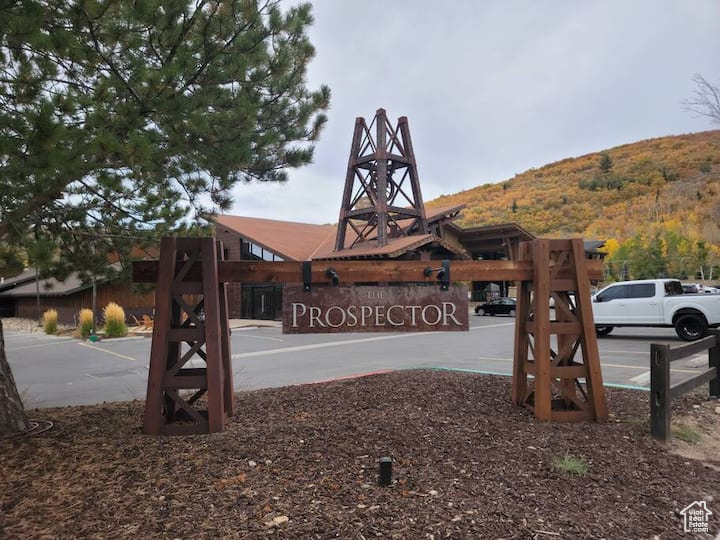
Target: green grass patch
(637,422)
(570,464)
(689,434)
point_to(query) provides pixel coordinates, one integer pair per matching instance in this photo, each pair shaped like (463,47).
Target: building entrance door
(261,302)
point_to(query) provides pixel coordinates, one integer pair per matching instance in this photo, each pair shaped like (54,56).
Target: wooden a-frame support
(192,311)
(548,376)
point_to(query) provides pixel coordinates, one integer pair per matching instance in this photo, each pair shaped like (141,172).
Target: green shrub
(603,182)
(50,321)
(669,176)
(114,320)
(85,323)
(570,465)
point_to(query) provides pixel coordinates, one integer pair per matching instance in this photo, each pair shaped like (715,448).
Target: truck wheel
(691,327)
(603,330)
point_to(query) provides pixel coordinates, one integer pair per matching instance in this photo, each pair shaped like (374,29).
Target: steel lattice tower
(382,197)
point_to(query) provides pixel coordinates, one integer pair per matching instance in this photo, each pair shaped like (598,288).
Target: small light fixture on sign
(443,274)
(333,275)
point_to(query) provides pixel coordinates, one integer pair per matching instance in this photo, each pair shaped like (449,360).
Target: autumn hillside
(667,183)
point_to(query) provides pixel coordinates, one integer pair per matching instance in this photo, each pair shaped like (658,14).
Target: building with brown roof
(28,295)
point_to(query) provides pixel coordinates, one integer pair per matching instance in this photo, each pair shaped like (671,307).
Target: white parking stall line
(640,353)
(39,345)
(266,338)
(641,380)
(88,346)
(697,360)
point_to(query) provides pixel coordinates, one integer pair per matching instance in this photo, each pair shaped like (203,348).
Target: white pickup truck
(655,302)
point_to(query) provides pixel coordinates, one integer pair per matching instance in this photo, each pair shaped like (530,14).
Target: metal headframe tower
(382,197)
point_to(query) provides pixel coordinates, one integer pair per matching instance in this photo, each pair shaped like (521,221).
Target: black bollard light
(385,471)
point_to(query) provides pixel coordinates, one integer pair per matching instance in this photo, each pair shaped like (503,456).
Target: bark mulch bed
(302,462)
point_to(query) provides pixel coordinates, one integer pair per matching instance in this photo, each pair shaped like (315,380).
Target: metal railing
(662,392)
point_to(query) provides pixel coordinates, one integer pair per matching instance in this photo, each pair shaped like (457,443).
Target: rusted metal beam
(357,271)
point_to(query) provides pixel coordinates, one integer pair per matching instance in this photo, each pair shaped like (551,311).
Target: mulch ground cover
(302,462)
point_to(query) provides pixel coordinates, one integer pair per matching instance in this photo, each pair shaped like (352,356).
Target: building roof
(291,240)
(51,286)
(490,238)
(22,277)
(394,248)
(48,287)
(500,229)
(446,212)
(304,241)
(593,245)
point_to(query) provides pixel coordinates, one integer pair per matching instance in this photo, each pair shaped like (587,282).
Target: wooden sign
(328,309)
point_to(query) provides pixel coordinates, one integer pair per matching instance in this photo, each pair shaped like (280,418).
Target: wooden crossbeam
(361,271)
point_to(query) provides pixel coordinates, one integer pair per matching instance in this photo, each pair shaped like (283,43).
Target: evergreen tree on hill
(606,163)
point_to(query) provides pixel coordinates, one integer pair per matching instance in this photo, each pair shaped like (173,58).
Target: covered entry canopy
(492,242)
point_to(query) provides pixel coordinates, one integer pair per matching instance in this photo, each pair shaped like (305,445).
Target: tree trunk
(12,413)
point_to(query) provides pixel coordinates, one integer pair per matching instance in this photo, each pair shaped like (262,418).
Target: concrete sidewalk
(254,323)
(234,325)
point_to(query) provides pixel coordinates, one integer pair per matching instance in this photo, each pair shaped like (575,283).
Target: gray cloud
(492,88)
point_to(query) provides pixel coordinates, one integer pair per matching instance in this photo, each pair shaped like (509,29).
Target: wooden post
(714,361)
(590,352)
(520,358)
(660,397)
(214,371)
(520,387)
(541,331)
(154,407)
(225,353)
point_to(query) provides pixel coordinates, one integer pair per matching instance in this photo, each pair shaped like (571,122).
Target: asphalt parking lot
(57,371)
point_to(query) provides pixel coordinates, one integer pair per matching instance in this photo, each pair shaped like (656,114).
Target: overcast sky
(493,88)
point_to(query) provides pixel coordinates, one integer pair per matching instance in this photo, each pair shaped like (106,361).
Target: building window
(253,252)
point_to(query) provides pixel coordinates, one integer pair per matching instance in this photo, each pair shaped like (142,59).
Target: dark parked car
(498,306)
